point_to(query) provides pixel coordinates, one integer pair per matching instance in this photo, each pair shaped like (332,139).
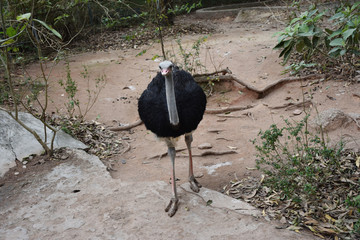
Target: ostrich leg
(174,201)
(194,184)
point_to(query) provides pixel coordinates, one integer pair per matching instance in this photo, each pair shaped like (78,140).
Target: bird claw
(194,184)
(172,207)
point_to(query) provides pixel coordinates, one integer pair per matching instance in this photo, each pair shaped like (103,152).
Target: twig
(126,127)
(210,152)
(159,156)
(228,109)
(291,105)
(128,147)
(223,71)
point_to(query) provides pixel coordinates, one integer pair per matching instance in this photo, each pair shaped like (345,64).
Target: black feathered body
(190,102)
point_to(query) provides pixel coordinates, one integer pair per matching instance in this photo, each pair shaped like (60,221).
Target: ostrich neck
(170,100)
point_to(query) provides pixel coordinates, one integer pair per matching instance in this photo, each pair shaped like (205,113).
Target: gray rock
(16,142)
(205,146)
(332,119)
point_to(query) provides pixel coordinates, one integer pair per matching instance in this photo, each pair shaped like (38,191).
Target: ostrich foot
(194,184)
(172,207)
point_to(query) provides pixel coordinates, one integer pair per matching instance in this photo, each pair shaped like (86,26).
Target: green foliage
(71,88)
(190,58)
(295,68)
(296,163)
(346,38)
(302,35)
(355,202)
(306,37)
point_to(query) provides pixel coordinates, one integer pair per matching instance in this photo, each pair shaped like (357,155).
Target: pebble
(205,146)
(297,112)
(123,161)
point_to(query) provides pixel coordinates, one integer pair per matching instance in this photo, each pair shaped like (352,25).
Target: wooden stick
(228,109)
(126,127)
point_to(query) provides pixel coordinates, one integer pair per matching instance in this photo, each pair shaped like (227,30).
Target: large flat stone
(16,142)
(79,200)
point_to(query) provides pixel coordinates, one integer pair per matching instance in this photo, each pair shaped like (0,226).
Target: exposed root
(126,127)
(261,92)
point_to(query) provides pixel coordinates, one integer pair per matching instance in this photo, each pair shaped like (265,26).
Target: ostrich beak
(165,71)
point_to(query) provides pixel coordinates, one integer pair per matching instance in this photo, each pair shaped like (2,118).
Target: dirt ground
(244,48)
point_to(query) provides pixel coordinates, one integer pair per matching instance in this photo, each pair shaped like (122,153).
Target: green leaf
(25,16)
(355,6)
(300,46)
(315,41)
(335,51)
(336,33)
(348,33)
(307,42)
(337,42)
(10,31)
(336,16)
(56,33)
(8,42)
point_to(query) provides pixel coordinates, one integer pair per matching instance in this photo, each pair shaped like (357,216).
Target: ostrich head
(166,68)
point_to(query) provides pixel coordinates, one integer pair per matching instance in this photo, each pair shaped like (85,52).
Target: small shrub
(296,162)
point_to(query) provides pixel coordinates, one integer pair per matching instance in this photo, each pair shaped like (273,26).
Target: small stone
(199,175)
(16,173)
(205,146)
(283,220)
(297,112)
(123,161)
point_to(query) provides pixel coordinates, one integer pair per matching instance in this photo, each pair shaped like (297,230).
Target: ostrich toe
(172,207)
(194,184)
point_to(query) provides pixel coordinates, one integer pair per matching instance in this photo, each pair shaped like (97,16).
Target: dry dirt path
(246,49)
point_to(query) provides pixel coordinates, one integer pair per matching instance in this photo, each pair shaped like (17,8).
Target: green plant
(296,162)
(355,202)
(346,38)
(301,35)
(190,58)
(305,37)
(71,89)
(295,68)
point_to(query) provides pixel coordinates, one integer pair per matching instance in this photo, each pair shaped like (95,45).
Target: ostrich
(173,105)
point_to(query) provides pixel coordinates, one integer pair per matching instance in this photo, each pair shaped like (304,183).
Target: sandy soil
(246,49)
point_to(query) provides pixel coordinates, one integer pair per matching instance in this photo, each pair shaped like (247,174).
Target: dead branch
(206,153)
(291,105)
(223,72)
(126,127)
(228,109)
(210,152)
(159,156)
(128,147)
